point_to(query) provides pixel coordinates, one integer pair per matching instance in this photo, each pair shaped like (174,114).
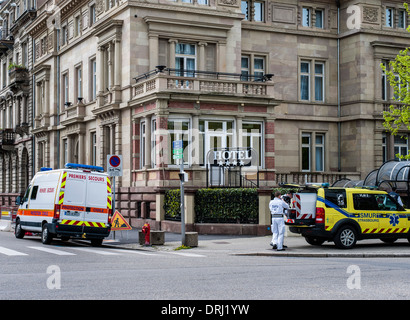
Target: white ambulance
(71,202)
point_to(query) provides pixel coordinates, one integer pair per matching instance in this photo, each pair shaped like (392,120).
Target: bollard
(147,230)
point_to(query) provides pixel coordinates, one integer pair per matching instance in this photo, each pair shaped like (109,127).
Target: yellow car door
(393,217)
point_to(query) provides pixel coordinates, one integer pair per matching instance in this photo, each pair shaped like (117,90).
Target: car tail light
(109,216)
(320,215)
(57,208)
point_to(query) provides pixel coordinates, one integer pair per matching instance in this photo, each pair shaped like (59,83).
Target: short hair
(277,194)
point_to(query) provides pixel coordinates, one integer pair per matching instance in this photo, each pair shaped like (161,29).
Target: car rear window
(337,197)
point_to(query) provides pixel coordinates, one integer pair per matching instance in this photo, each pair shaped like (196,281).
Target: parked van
(71,202)
(345,215)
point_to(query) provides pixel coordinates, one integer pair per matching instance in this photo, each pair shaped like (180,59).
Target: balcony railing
(165,79)
(7,139)
(314,177)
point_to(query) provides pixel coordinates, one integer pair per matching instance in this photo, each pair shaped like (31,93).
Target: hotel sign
(232,157)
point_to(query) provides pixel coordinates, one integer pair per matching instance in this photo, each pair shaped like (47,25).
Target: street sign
(114,165)
(119,223)
(177,144)
(177,149)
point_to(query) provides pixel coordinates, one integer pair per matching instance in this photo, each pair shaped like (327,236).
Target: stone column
(153,51)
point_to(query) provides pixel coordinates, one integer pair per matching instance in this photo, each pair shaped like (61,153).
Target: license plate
(72,213)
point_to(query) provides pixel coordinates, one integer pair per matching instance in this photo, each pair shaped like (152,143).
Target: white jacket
(277,205)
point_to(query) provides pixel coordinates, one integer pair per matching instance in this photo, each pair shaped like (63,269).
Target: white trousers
(278,232)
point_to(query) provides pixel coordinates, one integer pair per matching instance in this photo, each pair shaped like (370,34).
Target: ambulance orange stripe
(35,212)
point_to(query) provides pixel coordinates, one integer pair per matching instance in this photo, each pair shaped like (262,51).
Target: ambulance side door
(366,211)
(96,201)
(73,206)
(393,218)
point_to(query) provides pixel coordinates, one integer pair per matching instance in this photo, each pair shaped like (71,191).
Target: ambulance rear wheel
(46,236)
(345,237)
(96,242)
(19,233)
(314,241)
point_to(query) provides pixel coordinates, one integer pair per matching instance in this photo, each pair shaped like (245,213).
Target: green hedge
(224,205)
(172,204)
(229,205)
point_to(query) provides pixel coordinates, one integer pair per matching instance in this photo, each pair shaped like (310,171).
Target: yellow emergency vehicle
(345,215)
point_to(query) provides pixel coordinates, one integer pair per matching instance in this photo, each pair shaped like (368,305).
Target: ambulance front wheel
(19,233)
(46,235)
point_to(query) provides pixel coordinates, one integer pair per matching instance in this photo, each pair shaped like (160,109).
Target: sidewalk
(260,246)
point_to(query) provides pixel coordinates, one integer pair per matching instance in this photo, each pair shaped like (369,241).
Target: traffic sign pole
(178,153)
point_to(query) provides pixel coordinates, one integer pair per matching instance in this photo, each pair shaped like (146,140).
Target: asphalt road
(74,270)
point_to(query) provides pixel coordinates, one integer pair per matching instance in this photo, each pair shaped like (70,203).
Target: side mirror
(18,200)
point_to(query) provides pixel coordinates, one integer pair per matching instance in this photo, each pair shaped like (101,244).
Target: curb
(327,255)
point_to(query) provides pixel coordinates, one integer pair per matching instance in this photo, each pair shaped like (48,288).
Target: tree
(398,75)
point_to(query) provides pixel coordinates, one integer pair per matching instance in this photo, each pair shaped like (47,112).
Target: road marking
(53,251)
(134,252)
(10,252)
(194,255)
(97,251)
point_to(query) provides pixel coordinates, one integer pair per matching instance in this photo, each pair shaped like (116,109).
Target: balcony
(19,78)
(74,113)
(7,139)
(202,82)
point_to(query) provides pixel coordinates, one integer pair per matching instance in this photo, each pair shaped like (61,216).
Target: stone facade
(129,77)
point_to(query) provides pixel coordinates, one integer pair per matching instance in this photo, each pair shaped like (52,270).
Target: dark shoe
(274,246)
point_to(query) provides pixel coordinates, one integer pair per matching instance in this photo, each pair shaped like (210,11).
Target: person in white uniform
(276,207)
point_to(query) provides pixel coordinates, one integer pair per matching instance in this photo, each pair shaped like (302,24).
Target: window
(337,197)
(178,129)
(258,11)
(64,36)
(313,151)
(79,82)
(306,152)
(34,193)
(244,68)
(65,85)
(142,144)
(319,83)
(252,138)
(400,146)
(185,59)
(402,23)
(215,134)
(77,26)
(203,2)
(319,18)
(320,152)
(245,9)
(306,17)
(305,80)
(93,148)
(93,79)
(389,17)
(256,7)
(257,68)
(384,147)
(65,151)
(306,69)
(92,17)
(384,80)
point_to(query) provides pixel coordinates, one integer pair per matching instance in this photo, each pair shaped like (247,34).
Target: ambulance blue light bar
(45,169)
(83,166)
